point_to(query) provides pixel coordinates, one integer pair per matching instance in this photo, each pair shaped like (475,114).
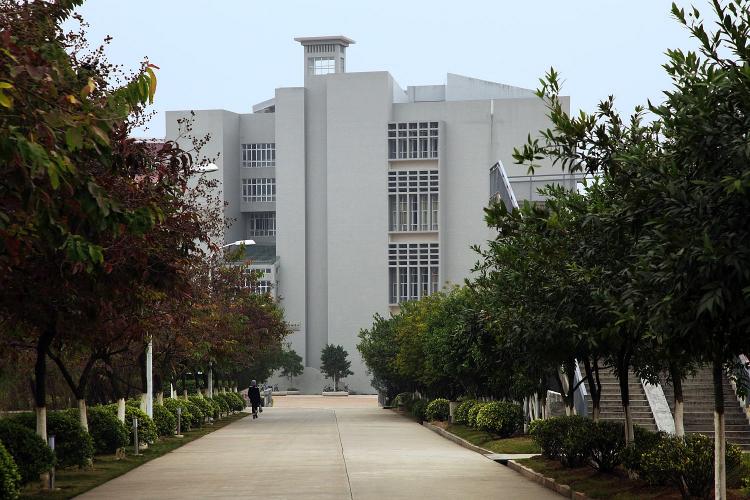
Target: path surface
(322,448)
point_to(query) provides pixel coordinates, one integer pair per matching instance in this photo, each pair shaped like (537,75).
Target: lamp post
(202,169)
(150,378)
(239,242)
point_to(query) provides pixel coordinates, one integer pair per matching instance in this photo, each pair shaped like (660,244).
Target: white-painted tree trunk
(720,466)
(83,414)
(41,422)
(160,398)
(595,414)
(144,402)
(679,418)
(629,430)
(121,410)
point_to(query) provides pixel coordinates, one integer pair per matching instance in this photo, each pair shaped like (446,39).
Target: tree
(333,363)
(291,365)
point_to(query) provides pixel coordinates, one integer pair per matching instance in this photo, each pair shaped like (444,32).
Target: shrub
(546,434)
(461,413)
(643,442)
(196,415)
(215,408)
(500,417)
(438,409)
(205,406)
(607,441)
(186,419)
(165,421)
(471,416)
(10,479)
(73,445)
(686,464)
(567,439)
(107,432)
(146,427)
(222,402)
(419,409)
(238,401)
(29,451)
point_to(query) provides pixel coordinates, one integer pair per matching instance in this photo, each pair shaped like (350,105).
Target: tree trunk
(144,402)
(720,466)
(40,381)
(121,409)
(82,415)
(625,398)
(595,386)
(335,384)
(679,404)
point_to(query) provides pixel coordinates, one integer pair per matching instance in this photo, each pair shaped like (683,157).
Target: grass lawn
(74,481)
(616,485)
(519,444)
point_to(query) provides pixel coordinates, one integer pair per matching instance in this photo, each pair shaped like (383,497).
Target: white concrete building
(360,194)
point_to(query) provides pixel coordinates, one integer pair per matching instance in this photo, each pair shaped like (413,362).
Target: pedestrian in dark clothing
(253,393)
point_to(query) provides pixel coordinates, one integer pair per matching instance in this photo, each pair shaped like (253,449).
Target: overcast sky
(232,54)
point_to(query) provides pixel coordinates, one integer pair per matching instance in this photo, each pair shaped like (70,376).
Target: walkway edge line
(548,482)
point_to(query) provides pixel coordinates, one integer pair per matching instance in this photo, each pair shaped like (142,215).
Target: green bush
(686,464)
(223,403)
(10,479)
(186,419)
(196,415)
(438,409)
(29,451)
(165,421)
(205,406)
(461,413)
(471,416)
(107,432)
(146,428)
(500,417)
(643,442)
(607,441)
(567,439)
(547,435)
(215,408)
(73,445)
(239,401)
(403,399)
(419,409)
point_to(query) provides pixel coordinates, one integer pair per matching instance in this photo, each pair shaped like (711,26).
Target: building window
(413,141)
(262,287)
(413,271)
(258,155)
(258,190)
(413,200)
(321,65)
(261,224)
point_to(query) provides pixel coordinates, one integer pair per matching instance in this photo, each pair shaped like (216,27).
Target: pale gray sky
(231,54)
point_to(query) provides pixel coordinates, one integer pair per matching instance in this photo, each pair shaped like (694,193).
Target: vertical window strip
(413,141)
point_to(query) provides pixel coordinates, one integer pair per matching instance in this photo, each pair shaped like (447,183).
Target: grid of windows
(413,141)
(321,65)
(262,287)
(413,200)
(261,224)
(413,271)
(258,155)
(258,190)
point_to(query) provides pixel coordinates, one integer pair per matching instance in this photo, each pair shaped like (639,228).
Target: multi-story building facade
(361,195)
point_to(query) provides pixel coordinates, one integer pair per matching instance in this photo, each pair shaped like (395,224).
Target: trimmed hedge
(606,444)
(165,421)
(186,419)
(643,442)
(438,409)
(500,417)
(107,432)
(461,414)
(419,409)
(686,464)
(205,406)
(215,408)
(29,451)
(223,404)
(73,445)
(471,416)
(10,479)
(239,401)
(146,428)
(567,439)
(196,415)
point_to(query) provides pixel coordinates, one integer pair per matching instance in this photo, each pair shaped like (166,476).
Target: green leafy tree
(291,365)
(334,365)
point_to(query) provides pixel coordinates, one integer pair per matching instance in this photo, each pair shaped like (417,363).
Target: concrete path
(308,448)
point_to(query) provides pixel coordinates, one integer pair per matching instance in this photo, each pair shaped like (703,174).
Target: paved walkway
(311,448)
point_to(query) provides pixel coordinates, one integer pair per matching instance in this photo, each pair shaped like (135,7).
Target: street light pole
(210,379)
(150,379)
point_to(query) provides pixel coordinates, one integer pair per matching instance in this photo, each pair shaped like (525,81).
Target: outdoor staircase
(698,393)
(611,403)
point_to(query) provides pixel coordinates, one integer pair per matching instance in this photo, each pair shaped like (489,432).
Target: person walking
(253,393)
